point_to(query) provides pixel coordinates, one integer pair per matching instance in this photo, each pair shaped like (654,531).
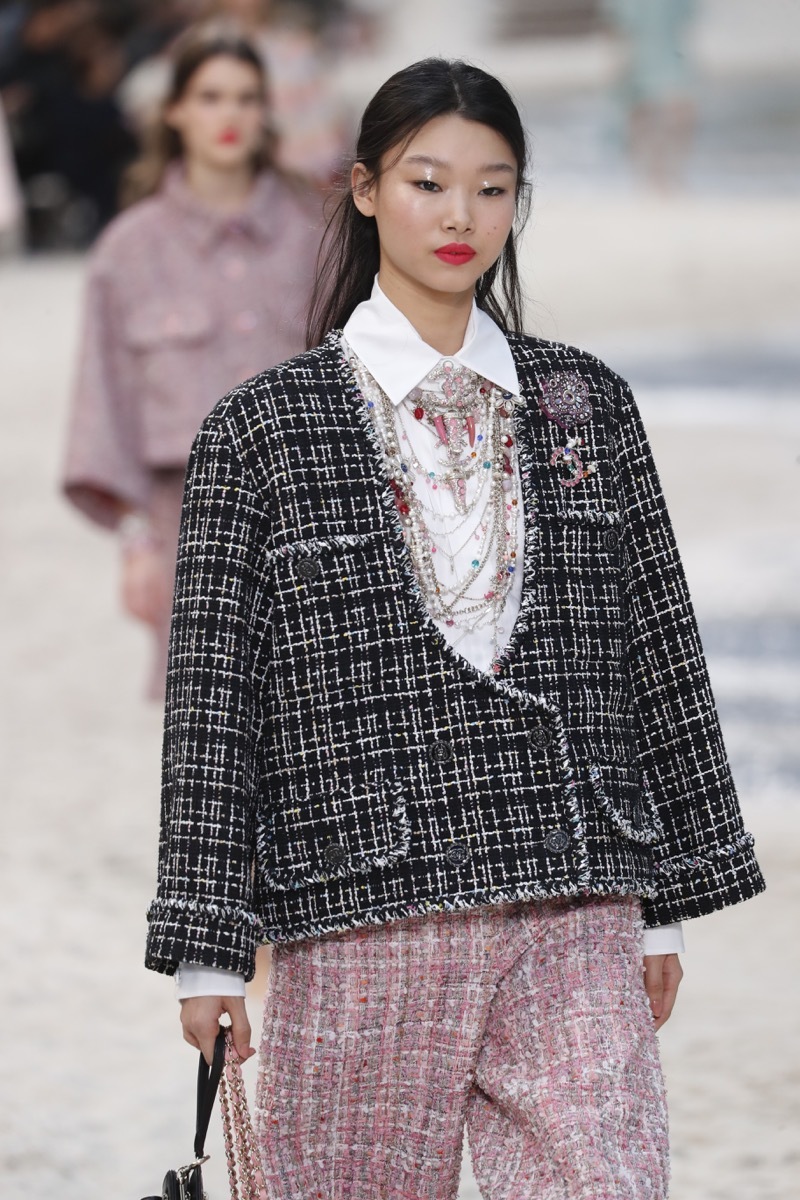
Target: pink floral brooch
(565,399)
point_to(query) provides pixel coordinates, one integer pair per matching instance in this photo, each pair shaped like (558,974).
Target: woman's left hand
(662,977)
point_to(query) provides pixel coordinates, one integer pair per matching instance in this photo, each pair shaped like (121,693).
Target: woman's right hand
(200,1017)
(145,591)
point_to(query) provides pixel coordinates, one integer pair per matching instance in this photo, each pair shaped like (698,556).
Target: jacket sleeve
(203,911)
(704,860)
(103,461)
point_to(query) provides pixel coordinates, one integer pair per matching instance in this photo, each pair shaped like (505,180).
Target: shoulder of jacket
(543,357)
(123,233)
(255,402)
(300,199)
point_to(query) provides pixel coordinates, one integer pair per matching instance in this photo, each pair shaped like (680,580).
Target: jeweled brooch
(565,399)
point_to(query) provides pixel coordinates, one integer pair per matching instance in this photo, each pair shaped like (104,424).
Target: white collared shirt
(388,345)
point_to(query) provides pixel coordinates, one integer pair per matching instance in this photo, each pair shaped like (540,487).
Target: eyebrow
(487,168)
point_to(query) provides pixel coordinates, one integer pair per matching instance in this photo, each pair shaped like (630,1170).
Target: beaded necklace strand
(470,420)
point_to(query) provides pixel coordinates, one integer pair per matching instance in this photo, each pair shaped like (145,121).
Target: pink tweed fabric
(526,1023)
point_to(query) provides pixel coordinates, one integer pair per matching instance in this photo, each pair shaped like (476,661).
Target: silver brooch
(565,399)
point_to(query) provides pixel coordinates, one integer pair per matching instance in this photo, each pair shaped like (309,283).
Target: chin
(455,283)
(230,158)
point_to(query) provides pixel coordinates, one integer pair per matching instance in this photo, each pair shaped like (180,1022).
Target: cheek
(203,124)
(401,217)
(252,118)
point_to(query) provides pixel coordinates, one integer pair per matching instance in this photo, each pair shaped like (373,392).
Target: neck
(440,318)
(227,191)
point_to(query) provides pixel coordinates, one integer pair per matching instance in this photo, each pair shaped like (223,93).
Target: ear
(362,186)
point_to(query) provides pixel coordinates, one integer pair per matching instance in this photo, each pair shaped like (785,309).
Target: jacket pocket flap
(626,801)
(356,826)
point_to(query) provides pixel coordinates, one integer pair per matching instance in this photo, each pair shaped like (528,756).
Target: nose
(459,217)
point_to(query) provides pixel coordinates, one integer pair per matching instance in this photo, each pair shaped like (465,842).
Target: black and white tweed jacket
(330,761)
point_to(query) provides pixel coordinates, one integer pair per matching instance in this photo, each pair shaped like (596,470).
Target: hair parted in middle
(350,253)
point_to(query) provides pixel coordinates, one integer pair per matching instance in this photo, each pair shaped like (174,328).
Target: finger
(201,1025)
(189,1037)
(654,982)
(240,1026)
(205,1043)
(672,975)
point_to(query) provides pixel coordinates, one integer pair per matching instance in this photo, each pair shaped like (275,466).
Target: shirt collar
(398,359)
(206,225)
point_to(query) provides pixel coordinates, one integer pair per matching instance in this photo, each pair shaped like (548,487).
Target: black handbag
(187,1182)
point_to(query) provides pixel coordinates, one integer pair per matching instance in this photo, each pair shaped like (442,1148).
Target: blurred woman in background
(307,113)
(203,282)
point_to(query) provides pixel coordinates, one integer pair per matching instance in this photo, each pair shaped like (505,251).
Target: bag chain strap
(245,1171)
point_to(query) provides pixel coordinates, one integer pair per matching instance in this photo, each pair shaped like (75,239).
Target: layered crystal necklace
(469,422)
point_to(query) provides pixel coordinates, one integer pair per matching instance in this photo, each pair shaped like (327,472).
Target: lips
(456,253)
(229,137)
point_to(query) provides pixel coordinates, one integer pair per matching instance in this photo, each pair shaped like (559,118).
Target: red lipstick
(455,253)
(229,137)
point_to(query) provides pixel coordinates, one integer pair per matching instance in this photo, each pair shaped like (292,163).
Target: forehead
(225,71)
(452,141)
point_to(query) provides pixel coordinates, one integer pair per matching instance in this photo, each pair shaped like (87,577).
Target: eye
(493,191)
(426,185)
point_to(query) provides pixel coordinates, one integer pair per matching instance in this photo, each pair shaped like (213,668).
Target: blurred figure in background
(197,287)
(150,59)
(11,222)
(61,64)
(656,86)
(308,120)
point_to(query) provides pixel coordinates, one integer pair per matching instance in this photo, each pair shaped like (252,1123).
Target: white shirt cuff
(664,939)
(192,979)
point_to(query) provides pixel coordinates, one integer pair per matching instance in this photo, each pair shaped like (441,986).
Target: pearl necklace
(469,419)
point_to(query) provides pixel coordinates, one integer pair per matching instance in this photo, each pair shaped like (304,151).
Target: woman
(306,110)
(190,291)
(439,726)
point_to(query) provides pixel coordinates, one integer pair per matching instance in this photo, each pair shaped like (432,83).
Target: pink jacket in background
(183,303)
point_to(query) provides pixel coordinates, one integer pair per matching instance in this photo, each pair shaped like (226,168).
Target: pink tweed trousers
(525,1023)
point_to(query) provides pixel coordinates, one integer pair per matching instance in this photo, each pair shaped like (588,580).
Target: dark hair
(349,256)
(162,145)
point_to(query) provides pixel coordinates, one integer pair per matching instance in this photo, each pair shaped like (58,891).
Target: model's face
(221,114)
(445,209)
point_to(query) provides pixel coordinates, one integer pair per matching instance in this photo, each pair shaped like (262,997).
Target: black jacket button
(541,736)
(611,539)
(441,751)
(457,853)
(308,568)
(334,855)
(556,841)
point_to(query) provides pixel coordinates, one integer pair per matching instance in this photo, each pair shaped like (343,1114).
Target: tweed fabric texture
(176,312)
(526,1023)
(330,761)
